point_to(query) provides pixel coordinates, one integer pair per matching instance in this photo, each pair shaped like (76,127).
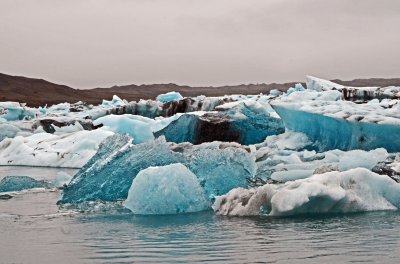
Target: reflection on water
(34,230)
(205,237)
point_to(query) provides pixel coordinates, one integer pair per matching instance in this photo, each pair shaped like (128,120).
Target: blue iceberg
(247,122)
(168,189)
(109,174)
(168,97)
(19,183)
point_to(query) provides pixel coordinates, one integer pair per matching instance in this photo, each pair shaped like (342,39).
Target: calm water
(34,230)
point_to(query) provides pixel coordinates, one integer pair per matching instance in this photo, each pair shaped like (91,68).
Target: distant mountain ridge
(39,92)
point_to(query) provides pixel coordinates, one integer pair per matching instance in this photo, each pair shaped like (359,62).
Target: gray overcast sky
(198,42)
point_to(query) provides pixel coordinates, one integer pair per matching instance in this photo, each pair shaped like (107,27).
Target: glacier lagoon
(83,179)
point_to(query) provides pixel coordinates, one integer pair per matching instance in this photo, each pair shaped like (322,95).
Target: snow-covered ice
(69,150)
(354,190)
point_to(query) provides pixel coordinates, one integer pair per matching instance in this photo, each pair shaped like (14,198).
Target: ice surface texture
(19,183)
(168,97)
(109,174)
(336,133)
(354,190)
(246,122)
(168,189)
(7,130)
(70,150)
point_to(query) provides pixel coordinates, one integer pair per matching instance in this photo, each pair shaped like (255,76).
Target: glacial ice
(115,102)
(337,124)
(138,129)
(43,149)
(168,97)
(328,148)
(19,183)
(288,157)
(109,174)
(317,84)
(168,189)
(354,190)
(8,131)
(246,122)
(11,111)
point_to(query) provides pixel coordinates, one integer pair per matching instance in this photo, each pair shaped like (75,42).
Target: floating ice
(286,157)
(8,131)
(318,84)
(19,183)
(43,149)
(339,124)
(138,129)
(168,97)
(333,192)
(109,174)
(246,122)
(115,102)
(169,189)
(11,111)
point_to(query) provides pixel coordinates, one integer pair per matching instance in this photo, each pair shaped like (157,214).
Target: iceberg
(246,122)
(11,111)
(355,190)
(138,128)
(108,176)
(8,131)
(317,84)
(168,97)
(19,183)
(336,124)
(288,157)
(168,189)
(69,150)
(350,93)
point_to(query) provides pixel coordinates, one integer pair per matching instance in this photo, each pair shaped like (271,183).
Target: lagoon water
(34,230)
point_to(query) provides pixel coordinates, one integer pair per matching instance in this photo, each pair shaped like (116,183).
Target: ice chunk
(11,111)
(8,131)
(115,102)
(43,149)
(288,140)
(169,189)
(61,179)
(245,122)
(354,190)
(362,159)
(275,92)
(138,128)
(342,125)
(19,183)
(109,174)
(168,97)
(318,84)
(286,157)
(291,175)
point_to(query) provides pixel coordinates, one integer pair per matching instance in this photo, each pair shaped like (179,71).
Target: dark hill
(38,92)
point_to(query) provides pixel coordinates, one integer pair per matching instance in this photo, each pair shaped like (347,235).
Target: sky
(100,43)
